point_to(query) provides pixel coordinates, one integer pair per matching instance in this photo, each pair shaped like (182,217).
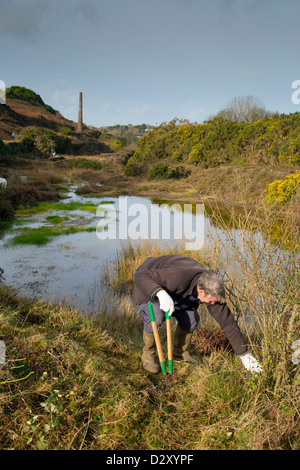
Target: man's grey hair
(213,286)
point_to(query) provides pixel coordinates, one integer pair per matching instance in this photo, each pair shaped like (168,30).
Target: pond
(58,253)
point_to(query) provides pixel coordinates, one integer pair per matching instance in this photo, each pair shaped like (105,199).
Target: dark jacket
(178,275)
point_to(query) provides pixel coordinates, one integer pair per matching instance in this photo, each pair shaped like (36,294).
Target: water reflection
(69,268)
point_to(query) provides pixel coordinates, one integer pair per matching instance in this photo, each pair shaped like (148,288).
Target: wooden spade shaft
(169,343)
(158,342)
(157,339)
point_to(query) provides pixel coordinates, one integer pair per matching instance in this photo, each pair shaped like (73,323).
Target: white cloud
(191,111)
(66,101)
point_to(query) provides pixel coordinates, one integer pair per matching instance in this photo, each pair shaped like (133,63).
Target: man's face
(206,300)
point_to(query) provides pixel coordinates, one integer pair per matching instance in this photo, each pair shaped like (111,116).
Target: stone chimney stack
(79,129)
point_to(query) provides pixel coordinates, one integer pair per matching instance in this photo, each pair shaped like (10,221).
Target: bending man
(178,285)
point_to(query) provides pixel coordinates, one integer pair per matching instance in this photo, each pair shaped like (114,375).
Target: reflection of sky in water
(69,267)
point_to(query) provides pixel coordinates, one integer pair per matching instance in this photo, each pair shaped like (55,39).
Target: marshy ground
(72,381)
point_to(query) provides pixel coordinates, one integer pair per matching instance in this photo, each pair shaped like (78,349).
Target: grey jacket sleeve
(145,283)
(222,314)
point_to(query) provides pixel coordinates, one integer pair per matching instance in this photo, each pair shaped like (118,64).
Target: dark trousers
(185,313)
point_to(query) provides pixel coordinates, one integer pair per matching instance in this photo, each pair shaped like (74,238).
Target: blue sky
(149,61)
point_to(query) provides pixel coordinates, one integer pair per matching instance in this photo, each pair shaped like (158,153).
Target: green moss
(42,235)
(59,206)
(56,219)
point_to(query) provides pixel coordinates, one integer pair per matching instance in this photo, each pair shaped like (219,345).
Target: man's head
(210,288)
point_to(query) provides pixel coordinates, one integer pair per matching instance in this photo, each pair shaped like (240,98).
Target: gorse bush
(132,168)
(282,191)
(271,140)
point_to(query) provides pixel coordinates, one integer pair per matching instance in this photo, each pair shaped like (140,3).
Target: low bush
(282,191)
(163,170)
(133,168)
(6,209)
(4,148)
(39,141)
(271,140)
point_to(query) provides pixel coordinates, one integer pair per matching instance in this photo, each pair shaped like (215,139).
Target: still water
(70,268)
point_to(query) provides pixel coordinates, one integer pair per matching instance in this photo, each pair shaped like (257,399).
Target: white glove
(250,363)
(165,302)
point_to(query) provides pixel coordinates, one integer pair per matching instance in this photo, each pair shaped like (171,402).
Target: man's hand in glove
(165,302)
(250,363)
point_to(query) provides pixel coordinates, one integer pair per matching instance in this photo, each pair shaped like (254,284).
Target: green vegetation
(162,170)
(84,163)
(25,94)
(76,382)
(42,235)
(283,191)
(56,219)
(268,141)
(59,206)
(22,194)
(22,93)
(39,141)
(4,149)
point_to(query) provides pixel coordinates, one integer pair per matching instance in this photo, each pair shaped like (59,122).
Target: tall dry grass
(257,253)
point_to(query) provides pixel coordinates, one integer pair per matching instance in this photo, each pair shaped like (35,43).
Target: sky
(150,61)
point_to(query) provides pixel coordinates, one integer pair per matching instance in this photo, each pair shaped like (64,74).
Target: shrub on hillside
(39,141)
(25,94)
(22,93)
(282,191)
(163,170)
(133,167)
(271,140)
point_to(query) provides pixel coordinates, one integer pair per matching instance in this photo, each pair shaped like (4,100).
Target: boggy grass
(89,391)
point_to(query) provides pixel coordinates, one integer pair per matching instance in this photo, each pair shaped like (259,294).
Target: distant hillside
(25,108)
(25,112)
(17,114)
(129,132)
